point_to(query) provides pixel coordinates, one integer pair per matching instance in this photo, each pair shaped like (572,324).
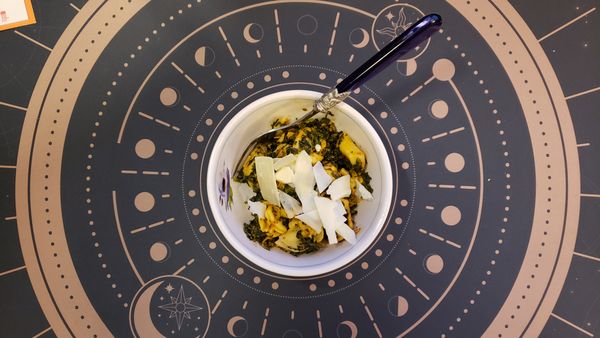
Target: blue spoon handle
(404,43)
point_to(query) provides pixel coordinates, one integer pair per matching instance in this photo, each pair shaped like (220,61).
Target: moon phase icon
(351,326)
(398,306)
(359,38)
(237,326)
(204,56)
(407,68)
(169,303)
(253,33)
(141,315)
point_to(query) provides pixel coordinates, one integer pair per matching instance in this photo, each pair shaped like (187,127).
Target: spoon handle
(404,43)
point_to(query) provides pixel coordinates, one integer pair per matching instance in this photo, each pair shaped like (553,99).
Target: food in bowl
(278,178)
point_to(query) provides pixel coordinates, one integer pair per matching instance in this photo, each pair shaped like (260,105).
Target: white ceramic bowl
(255,119)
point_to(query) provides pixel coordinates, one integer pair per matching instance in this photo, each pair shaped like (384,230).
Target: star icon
(389,16)
(169,288)
(180,307)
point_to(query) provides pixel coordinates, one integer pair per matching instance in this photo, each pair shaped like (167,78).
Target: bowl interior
(255,119)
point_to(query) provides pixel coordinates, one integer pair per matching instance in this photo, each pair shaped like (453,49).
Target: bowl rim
(357,249)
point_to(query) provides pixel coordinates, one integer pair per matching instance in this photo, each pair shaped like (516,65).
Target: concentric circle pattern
(115,221)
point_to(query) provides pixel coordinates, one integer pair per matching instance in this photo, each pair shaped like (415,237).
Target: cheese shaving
(289,204)
(257,208)
(363,192)
(321,177)
(312,219)
(285,175)
(304,179)
(286,161)
(266,179)
(340,188)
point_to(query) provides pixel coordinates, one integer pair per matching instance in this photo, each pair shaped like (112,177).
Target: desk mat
(109,110)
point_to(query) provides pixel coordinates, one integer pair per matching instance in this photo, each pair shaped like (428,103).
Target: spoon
(404,43)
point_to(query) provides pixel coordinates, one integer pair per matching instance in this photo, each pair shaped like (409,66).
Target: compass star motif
(180,307)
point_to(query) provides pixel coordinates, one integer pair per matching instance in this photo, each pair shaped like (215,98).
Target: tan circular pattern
(439,109)
(144,201)
(159,252)
(443,69)
(145,148)
(451,215)
(454,162)
(168,97)
(434,264)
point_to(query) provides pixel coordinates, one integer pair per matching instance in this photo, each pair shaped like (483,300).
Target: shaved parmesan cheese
(241,192)
(304,179)
(332,215)
(286,161)
(363,192)
(340,188)
(318,148)
(266,179)
(321,177)
(325,208)
(257,208)
(339,209)
(347,233)
(289,204)
(308,201)
(285,175)
(312,219)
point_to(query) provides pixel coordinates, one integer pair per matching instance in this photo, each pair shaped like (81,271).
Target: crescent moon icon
(141,321)
(231,323)
(351,326)
(248,35)
(365,38)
